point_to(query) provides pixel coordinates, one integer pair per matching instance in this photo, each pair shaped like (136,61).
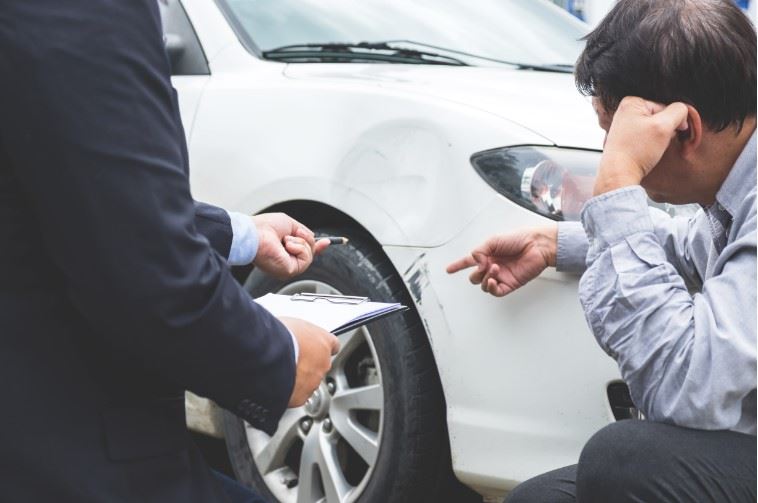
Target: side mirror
(175,48)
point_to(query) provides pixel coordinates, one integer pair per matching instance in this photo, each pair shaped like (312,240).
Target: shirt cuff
(244,239)
(613,216)
(571,254)
(295,345)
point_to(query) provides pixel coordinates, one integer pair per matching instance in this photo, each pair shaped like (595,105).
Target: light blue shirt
(244,239)
(244,249)
(673,300)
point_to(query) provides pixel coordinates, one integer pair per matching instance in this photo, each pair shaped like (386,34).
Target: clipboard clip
(334,299)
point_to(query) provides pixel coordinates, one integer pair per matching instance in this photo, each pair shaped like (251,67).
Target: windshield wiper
(361,51)
(557,68)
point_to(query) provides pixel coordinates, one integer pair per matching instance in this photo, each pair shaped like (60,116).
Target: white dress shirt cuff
(244,239)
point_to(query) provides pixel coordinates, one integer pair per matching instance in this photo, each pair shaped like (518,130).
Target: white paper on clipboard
(334,313)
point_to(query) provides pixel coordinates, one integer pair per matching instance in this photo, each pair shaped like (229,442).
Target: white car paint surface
(390,145)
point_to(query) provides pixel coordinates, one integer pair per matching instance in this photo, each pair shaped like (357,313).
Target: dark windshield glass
(526,31)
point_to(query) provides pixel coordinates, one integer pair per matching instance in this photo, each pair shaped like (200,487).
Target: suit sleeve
(215,224)
(90,123)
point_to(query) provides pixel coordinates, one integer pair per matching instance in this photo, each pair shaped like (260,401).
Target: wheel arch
(318,214)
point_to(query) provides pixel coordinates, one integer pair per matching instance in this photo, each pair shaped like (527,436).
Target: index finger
(675,116)
(654,107)
(461,264)
(307,234)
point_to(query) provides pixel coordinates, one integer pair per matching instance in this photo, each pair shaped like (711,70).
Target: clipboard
(334,299)
(335,313)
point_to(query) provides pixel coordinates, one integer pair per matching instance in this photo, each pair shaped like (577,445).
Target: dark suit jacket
(112,300)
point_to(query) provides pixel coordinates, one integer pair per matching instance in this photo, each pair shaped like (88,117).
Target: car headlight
(551,181)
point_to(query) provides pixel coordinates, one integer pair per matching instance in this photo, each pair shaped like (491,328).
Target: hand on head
(505,263)
(638,136)
(286,247)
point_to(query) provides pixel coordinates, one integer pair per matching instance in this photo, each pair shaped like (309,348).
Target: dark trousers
(646,462)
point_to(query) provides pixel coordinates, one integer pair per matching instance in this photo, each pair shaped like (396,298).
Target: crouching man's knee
(616,463)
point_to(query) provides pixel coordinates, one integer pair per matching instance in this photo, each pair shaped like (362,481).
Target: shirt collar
(740,180)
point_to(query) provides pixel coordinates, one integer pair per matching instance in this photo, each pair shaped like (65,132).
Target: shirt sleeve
(571,255)
(688,359)
(679,237)
(244,240)
(682,239)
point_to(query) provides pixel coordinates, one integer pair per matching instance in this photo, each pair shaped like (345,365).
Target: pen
(335,240)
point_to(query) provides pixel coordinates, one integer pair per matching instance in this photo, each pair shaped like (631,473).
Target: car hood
(546,103)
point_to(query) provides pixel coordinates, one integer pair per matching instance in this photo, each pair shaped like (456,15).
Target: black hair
(700,52)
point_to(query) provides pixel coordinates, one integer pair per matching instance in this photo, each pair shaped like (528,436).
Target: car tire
(413,460)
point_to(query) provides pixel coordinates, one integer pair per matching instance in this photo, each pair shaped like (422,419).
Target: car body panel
(190,88)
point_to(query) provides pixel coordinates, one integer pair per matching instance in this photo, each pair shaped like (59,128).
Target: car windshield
(528,32)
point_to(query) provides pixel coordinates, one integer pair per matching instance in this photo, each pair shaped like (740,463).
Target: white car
(417,128)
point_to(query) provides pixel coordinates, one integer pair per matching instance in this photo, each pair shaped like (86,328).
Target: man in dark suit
(114,291)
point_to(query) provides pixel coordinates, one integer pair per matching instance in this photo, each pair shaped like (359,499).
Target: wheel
(375,430)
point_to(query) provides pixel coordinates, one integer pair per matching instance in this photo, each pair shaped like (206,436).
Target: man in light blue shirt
(673,301)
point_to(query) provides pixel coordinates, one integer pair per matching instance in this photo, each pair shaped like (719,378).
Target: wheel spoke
(335,484)
(307,491)
(272,456)
(364,398)
(364,441)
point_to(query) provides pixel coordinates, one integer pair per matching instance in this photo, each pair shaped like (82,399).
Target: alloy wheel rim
(326,450)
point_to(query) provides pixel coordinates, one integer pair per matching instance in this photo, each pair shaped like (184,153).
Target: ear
(690,138)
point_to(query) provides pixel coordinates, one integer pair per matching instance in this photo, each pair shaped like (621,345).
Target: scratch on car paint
(417,278)
(430,308)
